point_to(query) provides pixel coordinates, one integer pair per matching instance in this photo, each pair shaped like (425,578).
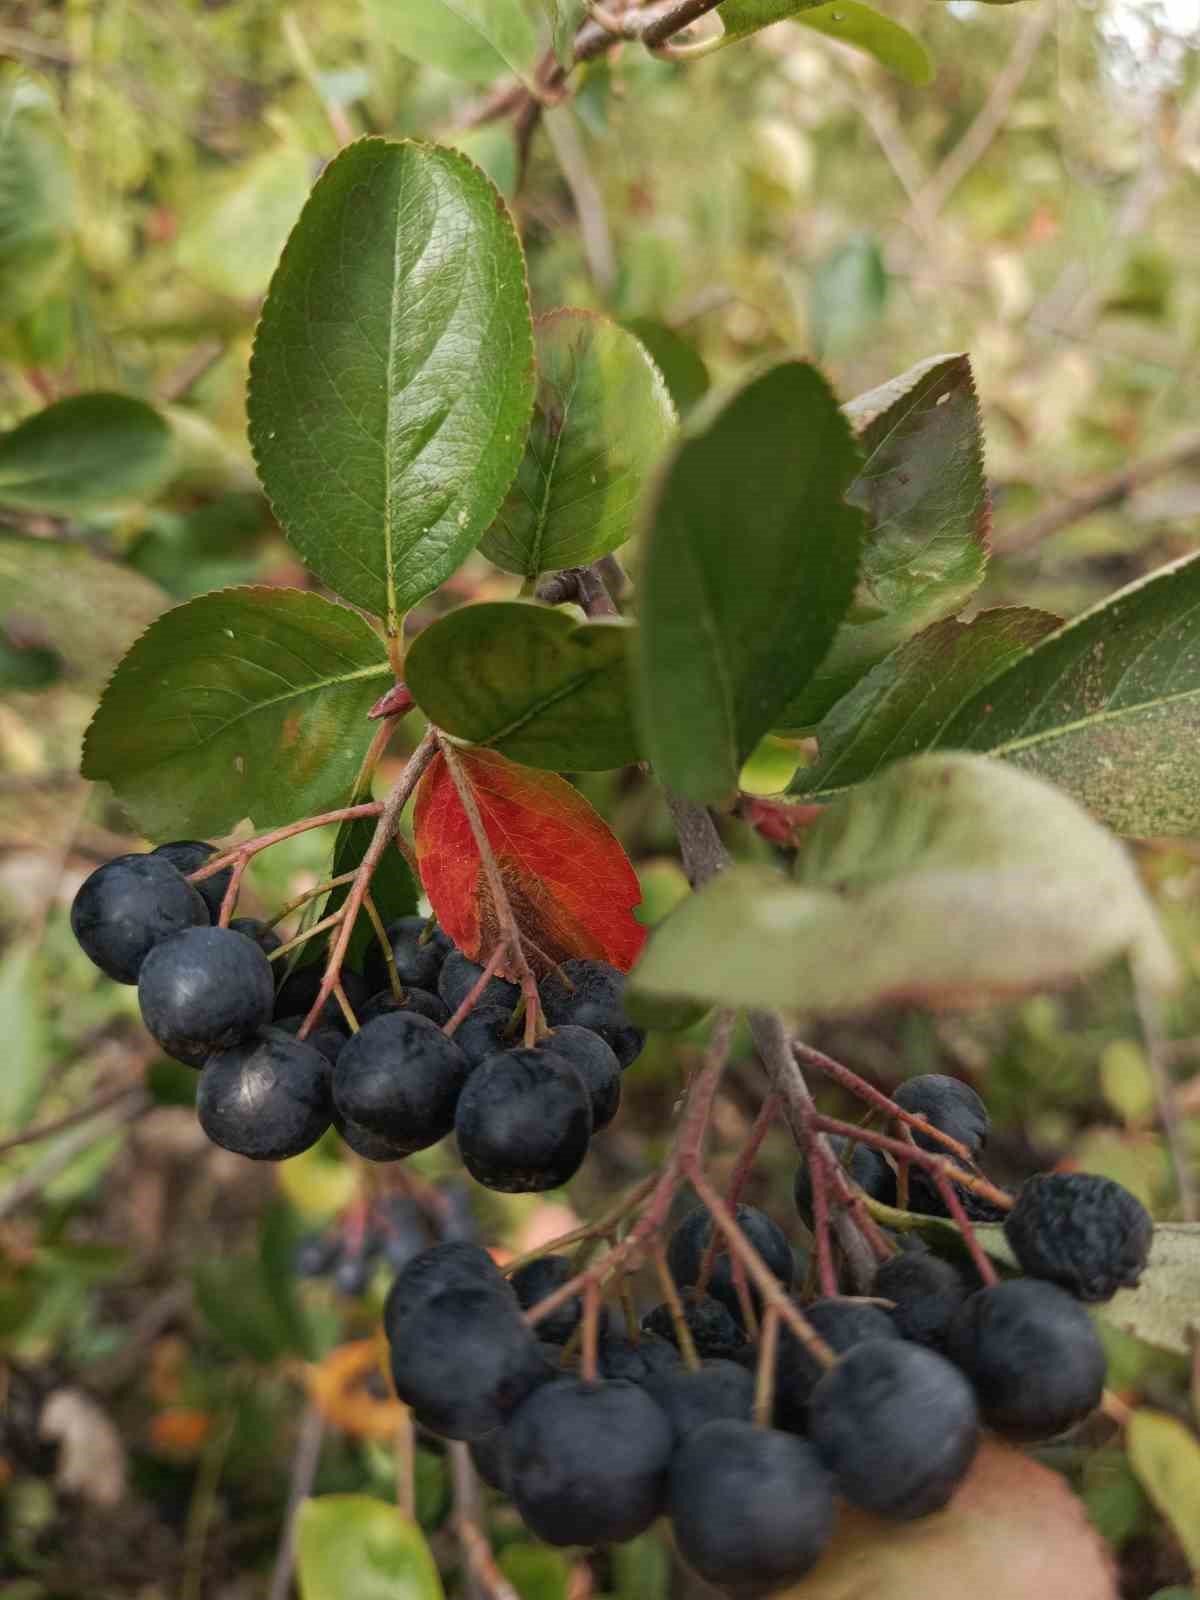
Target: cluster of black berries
(523,1117)
(385,1230)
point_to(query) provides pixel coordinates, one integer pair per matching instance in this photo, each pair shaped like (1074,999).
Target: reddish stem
(921,1158)
(591,1332)
(853,1084)
(819,1177)
(264,841)
(957,1211)
(471,998)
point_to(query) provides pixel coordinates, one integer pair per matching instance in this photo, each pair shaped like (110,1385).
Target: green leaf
(232,240)
(641,1569)
(536,1572)
(749,565)
(847,295)
(565,19)
(478,40)
(392,376)
(37,195)
(680,363)
(86,608)
(601,419)
(900,708)
(88,451)
(27,667)
(1165,1454)
(866,29)
(923,489)
(351,1544)
(947,880)
(1163,1309)
(530,682)
(741,18)
(244,703)
(1108,707)
(233,1298)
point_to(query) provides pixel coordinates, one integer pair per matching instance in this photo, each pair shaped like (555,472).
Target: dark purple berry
(619,1357)
(419,950)
(263,935)
(1081,1231)
(128,906)
(945,1103)
(400,1077)
(718,1390)
(418,1002)
(524,1122)
(595,1063)
(432,1272)
(538,1279)
(927,1292)
(300,988)
(487,1031)
(713,1330)
(686,1251)
(868,1168)
(203,990)
(458,976)
(266,1098)
(842,1323)
(588,994)
(189,855)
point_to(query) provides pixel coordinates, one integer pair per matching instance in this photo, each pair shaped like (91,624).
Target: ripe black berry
(266,1098)
(927,1292)
(524,1121)
(203,990)
(328,1041)
(441,1267)
(540,1278)
(1081,1231)
(463,1359)
(370,1146)
(685,1254)
(262,933)
(868,1168)
(720,1389)
(842,1323)
(925,1199)
(491,1457)
(486,1031)
(189,855)
(591,998)
(400,1077)
(419,952)
(458,976)
(619,1357)
(752,1508)
(595,1063)
(129,905)
(417,1002)
(897,1426)
(713,1330)
(1033,1355)
(589,1461)
(946,1103)
(299,989)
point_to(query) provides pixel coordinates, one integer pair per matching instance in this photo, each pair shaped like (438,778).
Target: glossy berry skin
(927,1292)
(1033,1356)
(128,906)
(418,959)
(524,1122)
(685,1254)
(897,1426)
(541,1278)
(946,1103)
(189,855)
(263,936)
(752,1508)
(203,990)
(400,1077)
(720,1390)
(458,975)
(486,1031)
(463,1359)
(418,1002)
(595,1063)
(591,998)
(435,1270)
(713,1330)
(1081,1231)
(370,1146)
(619,1357)
(589,1461)
(867,1168)
(299,989)
(267,1098)
(842,1323)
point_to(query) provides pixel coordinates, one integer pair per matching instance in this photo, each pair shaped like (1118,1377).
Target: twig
(767,1113)
(264,841)
(60,1156)
(46,1130)
(679,16)
(468,1525)
(305,1461)
(954,1206)
(764,1377)
(471,999)
(922,1158)
(683,1334)
(855,1085)
(594,233)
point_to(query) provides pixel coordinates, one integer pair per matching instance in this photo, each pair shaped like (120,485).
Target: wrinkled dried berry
(1081,1231)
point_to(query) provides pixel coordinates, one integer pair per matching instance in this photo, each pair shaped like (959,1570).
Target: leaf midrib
(547,701)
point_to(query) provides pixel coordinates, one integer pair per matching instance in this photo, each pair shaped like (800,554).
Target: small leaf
(923,489)
(392,376)
(749,565)
(1164,1309)
(680,363)
(601,420)
(37,194)
(83,453)
(1014,1531)
(233,238)
(473,39)
(848,292)
(741,18)
(1108,707)
(570,884)
(901,706)
(244,703)
(947,880)
(351,1544)
(1165,1454)
(868,30)
(530,682)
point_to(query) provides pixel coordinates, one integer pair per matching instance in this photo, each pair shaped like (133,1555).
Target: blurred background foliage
(1038,204)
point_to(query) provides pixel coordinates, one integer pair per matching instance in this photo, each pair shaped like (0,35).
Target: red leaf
(570,884)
